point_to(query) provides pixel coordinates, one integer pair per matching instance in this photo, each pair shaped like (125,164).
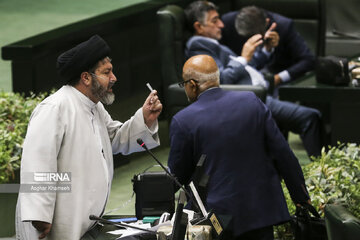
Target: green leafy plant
(15,111)
(334,177)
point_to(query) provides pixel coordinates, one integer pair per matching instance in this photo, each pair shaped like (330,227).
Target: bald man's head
(202,68)
(200,73)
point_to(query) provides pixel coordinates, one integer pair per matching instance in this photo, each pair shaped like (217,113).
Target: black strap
(308,207)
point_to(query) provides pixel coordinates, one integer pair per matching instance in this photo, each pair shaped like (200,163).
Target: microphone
(142,144)
(344,34)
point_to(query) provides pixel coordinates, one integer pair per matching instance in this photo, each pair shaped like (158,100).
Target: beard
(101,93)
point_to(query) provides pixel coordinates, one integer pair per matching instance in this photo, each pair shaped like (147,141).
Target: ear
(194,86)
(86,78)
(198,27)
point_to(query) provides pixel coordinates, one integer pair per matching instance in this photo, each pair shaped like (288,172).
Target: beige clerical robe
(68,133)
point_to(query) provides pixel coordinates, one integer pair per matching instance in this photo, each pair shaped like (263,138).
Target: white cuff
(154,128)
(285,76)
(239,59)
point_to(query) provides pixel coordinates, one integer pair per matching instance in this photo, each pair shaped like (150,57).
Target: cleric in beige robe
(71,132)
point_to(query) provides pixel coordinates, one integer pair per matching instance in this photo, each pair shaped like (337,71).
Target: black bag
(306,227)
(332,70)
(154,194)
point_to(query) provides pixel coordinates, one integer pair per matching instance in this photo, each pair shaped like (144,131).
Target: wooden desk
(340,107)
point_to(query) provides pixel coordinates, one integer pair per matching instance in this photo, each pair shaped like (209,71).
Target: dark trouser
(298,119)
(266,233)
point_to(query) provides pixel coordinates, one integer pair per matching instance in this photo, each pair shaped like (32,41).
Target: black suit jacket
(292,53)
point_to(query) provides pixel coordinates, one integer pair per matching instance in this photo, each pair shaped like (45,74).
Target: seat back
(308,17)
(173,35)
(341,224)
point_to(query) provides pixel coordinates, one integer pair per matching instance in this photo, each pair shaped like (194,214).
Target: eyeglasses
(182,84)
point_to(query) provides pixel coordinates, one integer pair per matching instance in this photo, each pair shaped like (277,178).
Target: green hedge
(334,177)
(15,111)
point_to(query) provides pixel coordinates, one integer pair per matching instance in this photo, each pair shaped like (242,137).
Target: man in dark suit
(289,59)
(204,19)
(245,153)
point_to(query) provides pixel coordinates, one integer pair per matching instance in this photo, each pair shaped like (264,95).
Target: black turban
(73,62)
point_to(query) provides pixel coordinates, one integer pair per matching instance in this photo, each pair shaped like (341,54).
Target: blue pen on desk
(131,219)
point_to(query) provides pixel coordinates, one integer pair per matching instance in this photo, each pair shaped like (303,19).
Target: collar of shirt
(266,52)
(84,99)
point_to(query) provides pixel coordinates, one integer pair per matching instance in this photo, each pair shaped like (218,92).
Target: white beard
(101,93)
